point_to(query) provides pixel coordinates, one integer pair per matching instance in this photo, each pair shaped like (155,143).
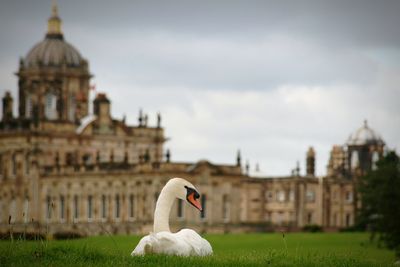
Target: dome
(53,51)
(364,136)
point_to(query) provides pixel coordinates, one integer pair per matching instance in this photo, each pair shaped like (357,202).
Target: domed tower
(364,148)
(53,79)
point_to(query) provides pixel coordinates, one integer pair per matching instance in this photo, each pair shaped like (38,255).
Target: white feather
(186,242)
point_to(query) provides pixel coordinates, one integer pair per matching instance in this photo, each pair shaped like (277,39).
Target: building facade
(65,168)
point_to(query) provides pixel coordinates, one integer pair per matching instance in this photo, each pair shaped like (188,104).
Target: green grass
(297,249)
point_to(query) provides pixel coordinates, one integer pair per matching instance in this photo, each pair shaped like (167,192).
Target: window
(76,207)
(349,197)
(268,216)
(28,107)
(334,220)
(72,108)
(26,209)
(50,110)
(90,207)
(87,159)
(310,196)
(62,208)
(132,206)
(180,209)
(280,196)
(270,195)
(354,160)
(14,164)
(203,205)
(155,199)
(310,218)
(291,195)
(291,217)
(225,208)
(13,209)
(70,159)
(27,163)
(117,207)
(48,205)
(280,217)
(103,207)
(348,219)
(375,158)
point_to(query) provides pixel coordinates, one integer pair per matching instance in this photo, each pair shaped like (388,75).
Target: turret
(7,106)
(310,162)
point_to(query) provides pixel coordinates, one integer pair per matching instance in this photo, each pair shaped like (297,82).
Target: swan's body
(186,242)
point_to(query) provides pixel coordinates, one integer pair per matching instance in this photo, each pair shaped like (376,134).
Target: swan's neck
(163,209)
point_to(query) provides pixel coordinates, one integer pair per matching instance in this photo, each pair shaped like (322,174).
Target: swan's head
(186,191)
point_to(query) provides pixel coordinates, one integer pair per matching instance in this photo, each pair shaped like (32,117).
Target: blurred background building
(66,165)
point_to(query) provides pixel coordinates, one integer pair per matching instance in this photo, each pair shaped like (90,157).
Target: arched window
(72,108)
(26,209)
(28,106)
(204,206)
(180,209)
(76,207)
(103,207)
(14,164)
(349,196)
(310,217)
(62,208)
(310,196)
(348,219)
(280,196)
(291,195)
(375,158)
(117,207)
(155,199)
(225,208)
(13,209)
(27,163)
(48,207)
(334,220)
(131,206)
(90,207)
(50,108)
(354,160)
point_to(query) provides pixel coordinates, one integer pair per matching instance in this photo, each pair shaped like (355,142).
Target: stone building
(65,168)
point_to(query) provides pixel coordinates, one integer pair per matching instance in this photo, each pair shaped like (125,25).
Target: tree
(380,198)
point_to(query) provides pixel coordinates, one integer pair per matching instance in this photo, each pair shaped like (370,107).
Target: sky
(270,78)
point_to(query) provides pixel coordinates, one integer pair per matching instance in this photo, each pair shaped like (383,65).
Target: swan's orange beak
(194,201)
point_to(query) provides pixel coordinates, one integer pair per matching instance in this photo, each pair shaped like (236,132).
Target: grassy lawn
(297,249)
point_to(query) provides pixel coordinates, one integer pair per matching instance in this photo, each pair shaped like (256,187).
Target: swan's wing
(184,243)
(171,244)
(145,246)
(162,243)
(198,245)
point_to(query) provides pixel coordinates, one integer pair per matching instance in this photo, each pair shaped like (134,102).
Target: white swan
(186,242)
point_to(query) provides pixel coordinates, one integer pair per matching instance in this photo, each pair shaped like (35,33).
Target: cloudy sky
(269,78)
